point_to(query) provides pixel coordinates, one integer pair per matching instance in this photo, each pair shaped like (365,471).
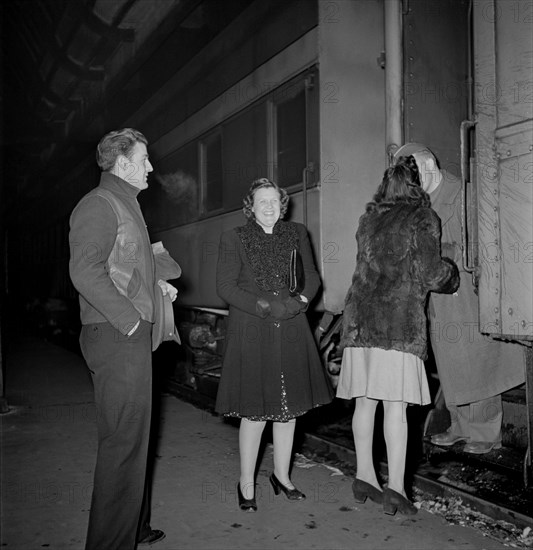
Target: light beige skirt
(387,375)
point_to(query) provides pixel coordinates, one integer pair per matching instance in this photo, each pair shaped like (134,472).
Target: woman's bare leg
(283,436)
(363,435)
(250,433)
(395,431)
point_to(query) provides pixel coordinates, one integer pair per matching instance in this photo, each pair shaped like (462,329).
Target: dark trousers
(121,370)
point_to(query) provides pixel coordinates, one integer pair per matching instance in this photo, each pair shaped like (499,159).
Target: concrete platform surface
(48,452)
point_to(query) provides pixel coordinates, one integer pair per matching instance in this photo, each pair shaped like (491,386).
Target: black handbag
(296,273)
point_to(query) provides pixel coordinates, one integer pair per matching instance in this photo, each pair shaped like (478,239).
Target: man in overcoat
(474,370)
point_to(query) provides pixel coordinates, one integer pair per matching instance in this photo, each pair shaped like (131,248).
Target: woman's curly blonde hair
(263,183)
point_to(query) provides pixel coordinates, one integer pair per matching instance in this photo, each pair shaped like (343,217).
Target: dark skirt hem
(282,417)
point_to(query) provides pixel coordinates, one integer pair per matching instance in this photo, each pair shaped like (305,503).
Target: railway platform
(48,453)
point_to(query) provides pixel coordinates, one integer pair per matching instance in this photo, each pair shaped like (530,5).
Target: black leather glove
(275,308)
(294,305)
(278,310)
(262,307)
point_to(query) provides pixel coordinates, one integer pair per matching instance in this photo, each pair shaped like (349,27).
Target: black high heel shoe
(363,490)
(395,502)
(245,504)
(291,494)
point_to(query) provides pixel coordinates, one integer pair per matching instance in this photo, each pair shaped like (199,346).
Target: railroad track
(492,485)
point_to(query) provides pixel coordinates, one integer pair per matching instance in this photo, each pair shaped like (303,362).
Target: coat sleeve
(93,229)
(229,267)
(436,273)
(312,278)
(348,328)
(166,267)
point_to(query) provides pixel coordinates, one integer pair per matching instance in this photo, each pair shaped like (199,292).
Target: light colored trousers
(478,421)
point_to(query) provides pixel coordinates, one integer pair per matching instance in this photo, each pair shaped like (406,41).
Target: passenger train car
(317,95)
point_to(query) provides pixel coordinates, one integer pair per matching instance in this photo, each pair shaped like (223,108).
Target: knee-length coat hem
(259,350)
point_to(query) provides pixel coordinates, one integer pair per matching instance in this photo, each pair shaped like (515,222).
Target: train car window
(211,173)
(290,135)
(275,137)
(244,153)
(172,196)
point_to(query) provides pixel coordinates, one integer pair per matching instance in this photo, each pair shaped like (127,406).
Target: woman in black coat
(271,369)
(384,324)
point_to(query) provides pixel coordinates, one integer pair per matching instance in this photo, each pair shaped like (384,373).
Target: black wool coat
(269,365)
(398,263)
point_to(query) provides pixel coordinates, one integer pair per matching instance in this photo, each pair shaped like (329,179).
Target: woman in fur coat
(384,324)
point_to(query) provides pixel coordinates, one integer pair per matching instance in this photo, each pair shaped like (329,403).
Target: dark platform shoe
(395,502)
(363,490)
(245,504)
(291,494)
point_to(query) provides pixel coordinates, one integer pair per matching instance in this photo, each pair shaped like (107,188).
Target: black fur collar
(269,254)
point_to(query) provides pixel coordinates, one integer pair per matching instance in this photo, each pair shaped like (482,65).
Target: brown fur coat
(398,263)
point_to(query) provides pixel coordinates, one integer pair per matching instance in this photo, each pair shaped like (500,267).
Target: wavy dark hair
(116,143)
(401,183)
(263,183)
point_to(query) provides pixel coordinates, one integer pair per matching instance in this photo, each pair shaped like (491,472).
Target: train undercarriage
(497,484)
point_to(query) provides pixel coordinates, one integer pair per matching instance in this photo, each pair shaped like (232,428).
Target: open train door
(499,197)
(436,98)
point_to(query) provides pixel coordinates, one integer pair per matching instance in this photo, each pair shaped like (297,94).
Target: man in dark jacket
(112,267)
